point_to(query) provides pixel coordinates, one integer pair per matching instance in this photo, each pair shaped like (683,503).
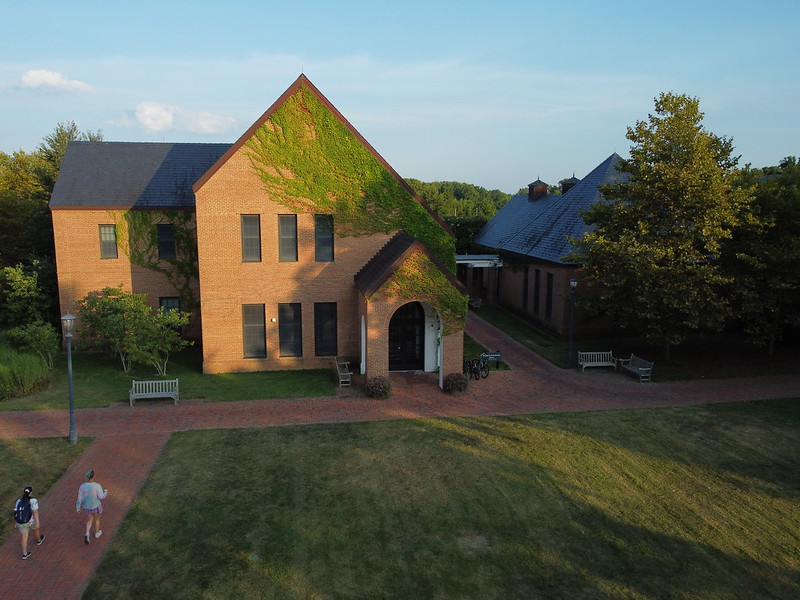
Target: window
(290,329)
(323,238)
(253,331)
(548,306)
(287,238)
(537,290)
(325,329)
(108,241)
(166,242)
(169,303)
(525,277)
(251,238)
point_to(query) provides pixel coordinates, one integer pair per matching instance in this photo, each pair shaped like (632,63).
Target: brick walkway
(129,440)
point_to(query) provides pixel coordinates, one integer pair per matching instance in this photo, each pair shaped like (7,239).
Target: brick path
(129,440)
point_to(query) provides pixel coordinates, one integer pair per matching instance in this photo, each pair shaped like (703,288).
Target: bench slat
(160,388)
(596,359)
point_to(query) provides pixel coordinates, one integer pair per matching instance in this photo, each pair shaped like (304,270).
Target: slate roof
(540,228)
(381,266)
(132,174)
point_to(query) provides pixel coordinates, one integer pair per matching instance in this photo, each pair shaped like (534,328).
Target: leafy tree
(764,257)
(22,202)
(39,338)
(26,183)
(23,300)
(453,199)
(53,147)
(465,229)
(123,324)
(653,252)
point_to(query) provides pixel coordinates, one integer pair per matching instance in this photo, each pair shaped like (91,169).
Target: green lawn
(99,381)
(700,502)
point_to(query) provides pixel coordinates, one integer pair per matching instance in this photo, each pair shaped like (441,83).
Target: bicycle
(477,368)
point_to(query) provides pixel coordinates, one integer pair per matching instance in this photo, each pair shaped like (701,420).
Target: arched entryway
(407,338)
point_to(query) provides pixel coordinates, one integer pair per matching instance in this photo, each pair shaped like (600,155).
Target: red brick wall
(81,270)
(227,283)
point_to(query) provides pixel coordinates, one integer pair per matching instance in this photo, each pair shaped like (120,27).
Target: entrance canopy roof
(479,260)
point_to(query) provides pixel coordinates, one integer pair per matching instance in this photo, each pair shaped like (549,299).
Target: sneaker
(98,533)
(26,555)
(86,538)
(40,540)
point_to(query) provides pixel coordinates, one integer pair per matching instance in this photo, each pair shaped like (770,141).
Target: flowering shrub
(378,386)
(455,383)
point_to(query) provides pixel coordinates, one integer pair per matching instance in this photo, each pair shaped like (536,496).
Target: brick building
(532,234)
(296,244)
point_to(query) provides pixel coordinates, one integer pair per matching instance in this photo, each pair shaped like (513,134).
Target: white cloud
(157,116)
(154,116)
(41,78)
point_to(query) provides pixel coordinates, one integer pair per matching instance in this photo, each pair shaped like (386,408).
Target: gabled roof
(303,81)
(541,228)
(386,261)
(132,174)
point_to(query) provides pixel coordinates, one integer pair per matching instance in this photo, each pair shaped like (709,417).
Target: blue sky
(491,93)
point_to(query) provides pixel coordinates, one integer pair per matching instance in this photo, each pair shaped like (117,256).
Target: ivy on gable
(418,277)
(310,162)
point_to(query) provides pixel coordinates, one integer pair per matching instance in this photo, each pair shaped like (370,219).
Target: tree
(123,324)
(451,199)
(26,227)
(22,200)
(53,147)
(23,300)
(653,252)
(764,257)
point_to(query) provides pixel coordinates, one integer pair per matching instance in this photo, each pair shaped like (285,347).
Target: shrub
(20,373)
(37,337)
(378,386)
(455,383)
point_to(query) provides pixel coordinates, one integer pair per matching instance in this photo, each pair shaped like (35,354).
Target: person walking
(90,494)
(26,517)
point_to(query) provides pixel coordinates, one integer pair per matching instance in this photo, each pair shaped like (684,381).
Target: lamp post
(573,289)
(67,322)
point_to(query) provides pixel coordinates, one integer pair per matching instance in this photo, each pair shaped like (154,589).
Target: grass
(38,463)
(722,355)
(685,503)
(99,381)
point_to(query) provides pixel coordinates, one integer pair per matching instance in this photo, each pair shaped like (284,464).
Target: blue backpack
(22,511)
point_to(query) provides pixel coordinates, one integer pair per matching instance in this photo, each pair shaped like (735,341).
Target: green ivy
(310,162)
(419,277)
(137,236)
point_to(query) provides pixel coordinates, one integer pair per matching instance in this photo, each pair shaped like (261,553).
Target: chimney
(570,183)
(536,190)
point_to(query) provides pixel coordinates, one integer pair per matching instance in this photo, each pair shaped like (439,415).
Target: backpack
(22,511)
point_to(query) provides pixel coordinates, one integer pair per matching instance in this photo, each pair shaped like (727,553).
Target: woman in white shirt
(90,494)
(33,523)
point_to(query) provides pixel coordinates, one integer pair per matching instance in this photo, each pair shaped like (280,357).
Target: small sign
(488,356)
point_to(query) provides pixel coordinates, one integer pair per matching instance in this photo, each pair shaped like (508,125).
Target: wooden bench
(638,366)
(343,369)
(160,388)
(596,359)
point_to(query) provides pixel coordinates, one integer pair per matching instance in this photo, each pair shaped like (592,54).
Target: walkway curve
(128,440)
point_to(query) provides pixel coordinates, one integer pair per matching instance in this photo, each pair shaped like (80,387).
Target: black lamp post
(573,290)
(67,322)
